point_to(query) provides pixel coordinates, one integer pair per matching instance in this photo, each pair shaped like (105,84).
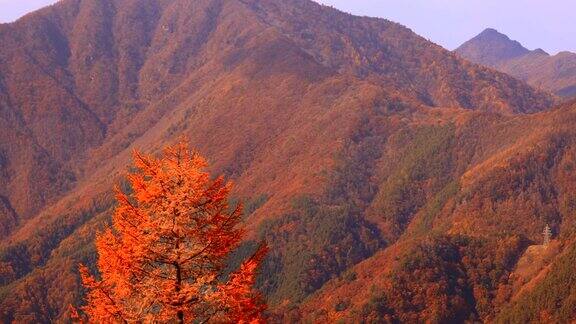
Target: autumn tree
(163,258)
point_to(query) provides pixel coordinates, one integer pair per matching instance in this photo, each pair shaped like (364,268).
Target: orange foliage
(163,258)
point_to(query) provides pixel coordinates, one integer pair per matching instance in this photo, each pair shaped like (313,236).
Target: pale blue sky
(549,24)
(12,9)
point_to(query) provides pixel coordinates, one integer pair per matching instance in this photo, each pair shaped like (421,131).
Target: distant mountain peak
(540,51)
(491,32)
(491,47)
(555,73)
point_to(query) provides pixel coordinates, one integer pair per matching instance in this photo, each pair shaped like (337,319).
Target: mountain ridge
(491,47)
(343,134)
(101,82)
(556,73)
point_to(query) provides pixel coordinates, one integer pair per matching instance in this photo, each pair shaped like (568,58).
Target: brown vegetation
(363,150)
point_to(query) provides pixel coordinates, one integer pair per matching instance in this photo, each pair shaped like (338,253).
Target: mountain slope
(555,73)
(324,121)
(76,73)
(453,262)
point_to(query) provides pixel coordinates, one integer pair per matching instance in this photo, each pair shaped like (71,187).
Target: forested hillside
(371,160)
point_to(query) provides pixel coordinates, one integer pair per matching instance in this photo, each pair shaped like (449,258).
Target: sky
(546,24)
(11,10)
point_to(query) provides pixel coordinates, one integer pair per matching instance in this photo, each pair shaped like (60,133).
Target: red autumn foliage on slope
(345,135)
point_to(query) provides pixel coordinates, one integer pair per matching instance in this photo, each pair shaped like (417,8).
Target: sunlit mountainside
(392,180)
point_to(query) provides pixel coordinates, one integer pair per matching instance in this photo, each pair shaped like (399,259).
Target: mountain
(491,48)
(352,140)
(74,74)
(471,250)
(555,73)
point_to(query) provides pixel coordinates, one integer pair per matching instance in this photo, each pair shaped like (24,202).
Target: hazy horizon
(549,25)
